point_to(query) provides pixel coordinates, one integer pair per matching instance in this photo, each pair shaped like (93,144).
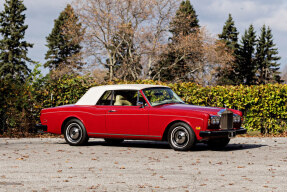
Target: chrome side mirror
(140,104)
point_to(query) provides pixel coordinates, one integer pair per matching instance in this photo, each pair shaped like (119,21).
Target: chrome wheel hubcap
(74,132)
(180,137)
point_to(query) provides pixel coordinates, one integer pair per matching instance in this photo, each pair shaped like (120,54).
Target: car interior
(121,98)
(125,98)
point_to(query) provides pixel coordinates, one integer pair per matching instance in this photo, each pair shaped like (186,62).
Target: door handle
(111,111)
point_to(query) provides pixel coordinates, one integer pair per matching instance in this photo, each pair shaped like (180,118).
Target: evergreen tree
(185,20)
(171,68)
(64,41)
(246,64)
(229,35)
(266,58)
(13,49)
(13,60)
(260,56)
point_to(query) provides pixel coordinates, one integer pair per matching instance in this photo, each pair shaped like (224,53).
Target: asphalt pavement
(49,164)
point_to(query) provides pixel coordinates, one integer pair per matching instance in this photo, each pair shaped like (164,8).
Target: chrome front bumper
(223,133)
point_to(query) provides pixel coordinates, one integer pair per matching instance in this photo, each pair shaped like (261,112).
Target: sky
(212,14)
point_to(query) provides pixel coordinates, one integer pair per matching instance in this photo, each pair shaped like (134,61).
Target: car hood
(208,110)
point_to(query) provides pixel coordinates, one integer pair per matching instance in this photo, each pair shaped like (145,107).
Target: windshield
(160,96)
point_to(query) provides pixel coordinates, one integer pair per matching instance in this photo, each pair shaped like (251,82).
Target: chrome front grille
(226,120)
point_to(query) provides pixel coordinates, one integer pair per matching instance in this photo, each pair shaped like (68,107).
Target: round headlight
(215,120)
(236,118)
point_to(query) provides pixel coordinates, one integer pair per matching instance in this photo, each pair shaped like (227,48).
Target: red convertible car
(141,112)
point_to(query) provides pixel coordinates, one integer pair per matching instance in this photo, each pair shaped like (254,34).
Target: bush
(263,106)
(66,90)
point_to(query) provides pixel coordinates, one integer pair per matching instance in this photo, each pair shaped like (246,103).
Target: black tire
(75,133)
(113,141)
(181,137)
(218,143)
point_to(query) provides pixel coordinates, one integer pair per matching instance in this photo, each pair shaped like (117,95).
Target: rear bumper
(41,128)
(222,133)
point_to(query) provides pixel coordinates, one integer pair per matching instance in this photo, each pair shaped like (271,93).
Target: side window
(125,97)
(105,99)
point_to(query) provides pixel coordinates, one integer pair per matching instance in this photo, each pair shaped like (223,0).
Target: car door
(125,117)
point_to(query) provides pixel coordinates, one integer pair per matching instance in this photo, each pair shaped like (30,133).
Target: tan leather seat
(121,101)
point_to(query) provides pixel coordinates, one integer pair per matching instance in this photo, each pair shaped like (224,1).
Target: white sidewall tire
(75,133)
(181,137)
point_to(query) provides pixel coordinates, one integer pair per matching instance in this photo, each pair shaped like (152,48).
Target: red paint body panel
(130,122)
(93,117)
(161,116)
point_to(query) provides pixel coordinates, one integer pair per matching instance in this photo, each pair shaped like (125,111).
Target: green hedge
(263,106)
(65,91)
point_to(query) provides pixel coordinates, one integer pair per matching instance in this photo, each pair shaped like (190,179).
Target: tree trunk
(111,72)
(149,68)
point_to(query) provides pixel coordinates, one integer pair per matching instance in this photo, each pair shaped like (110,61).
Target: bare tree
(147,22)
(130,37)
(195,57)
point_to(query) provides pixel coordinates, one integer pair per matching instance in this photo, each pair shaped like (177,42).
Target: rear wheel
(181,137)
(218,143)
(113,141)
(75,133)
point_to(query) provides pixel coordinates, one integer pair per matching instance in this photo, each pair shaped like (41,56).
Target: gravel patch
(49,164)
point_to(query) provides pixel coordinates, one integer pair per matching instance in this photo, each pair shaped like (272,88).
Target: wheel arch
(65,122)
(165,133)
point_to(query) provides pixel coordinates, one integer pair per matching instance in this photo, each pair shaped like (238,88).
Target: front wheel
(218,143)
(181,137)
(75,133)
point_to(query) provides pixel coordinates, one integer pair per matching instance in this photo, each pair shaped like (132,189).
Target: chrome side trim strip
(75,112)
(124,114)
(128,114)
(124,134)
(176,116)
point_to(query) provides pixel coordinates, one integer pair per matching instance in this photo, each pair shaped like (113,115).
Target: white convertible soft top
(92,96)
